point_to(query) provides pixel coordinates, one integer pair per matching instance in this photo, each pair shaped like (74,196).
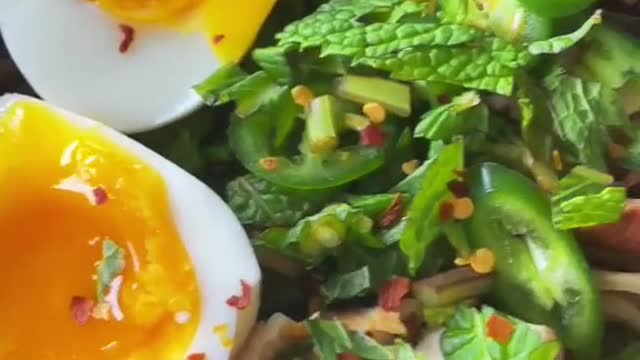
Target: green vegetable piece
(322,132)
(464,114)
(274,62)
(541,274)
(392,95)
(330,338)
(422,221)
(375,205)
(451,287)
(561,43)
(509,20)
(556,9)
(367,348)
(258,202)
(486,64)
(464,12)
(466,336)
(251,139)
(215,89)
(579,115)
(346,286)
(583,199)
(547,351)
(110,266)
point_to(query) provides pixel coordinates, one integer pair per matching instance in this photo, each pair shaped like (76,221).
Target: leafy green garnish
(214,90)
(583,198)
(561,43)
(578,112)
(422,222)
(258,202)
(110,266)
(331,339)
(274,62)
(462,115)
(346,286)
(467,336)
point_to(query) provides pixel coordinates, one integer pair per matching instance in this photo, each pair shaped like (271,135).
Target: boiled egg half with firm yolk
(130,64)
(109,251)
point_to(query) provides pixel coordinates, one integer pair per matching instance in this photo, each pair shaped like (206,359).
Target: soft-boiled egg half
(130,64)
(109,251)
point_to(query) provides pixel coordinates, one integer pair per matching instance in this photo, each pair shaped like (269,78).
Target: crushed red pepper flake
(81,309)
(458,188)
(197,356)
(100,196)
(393,214)
(372,136)
(241,302)
(446,211)
(393,292)
(270,163)
(500,329)
(217,39)
(128,36)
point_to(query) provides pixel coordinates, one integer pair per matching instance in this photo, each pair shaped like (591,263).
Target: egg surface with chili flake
(128,63)
(110,251)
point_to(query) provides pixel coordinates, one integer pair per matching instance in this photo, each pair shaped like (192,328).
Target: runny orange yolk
(230,25)
(51,232)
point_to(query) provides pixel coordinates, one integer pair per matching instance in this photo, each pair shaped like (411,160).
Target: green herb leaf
(462,115)
(583,199)
(274,62)
(561,43)
(214,89)
(369,349)
(330,338)
(404,351)
(258,202)
(422,222)
(487,64)
(346,286)
(464,12)
(110,266)
(466,337)
(577,109)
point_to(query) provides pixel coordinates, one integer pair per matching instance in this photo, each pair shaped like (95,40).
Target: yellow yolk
(231,26)
(51,232)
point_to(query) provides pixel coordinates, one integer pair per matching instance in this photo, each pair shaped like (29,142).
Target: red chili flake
(217,39)
(100,196)
(393,292)
(500,329)
(458,188)
(347,356)
(446,211)
(444,99)
(393,214)
(81,308)
(128,33)
(372,136)
(196,356)
(241,302)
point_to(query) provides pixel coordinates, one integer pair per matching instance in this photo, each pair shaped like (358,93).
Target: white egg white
(68,51)
(219,248)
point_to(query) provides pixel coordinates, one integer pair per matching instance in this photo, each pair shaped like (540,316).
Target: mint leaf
(274,62)
(422,220)
(561,43)
(110,266)
(462,115)
(576,106)
(583,199)
(348,285)
(329,338)
(214,89)
(258,202)
(464,12)
(487,64)
(466,336)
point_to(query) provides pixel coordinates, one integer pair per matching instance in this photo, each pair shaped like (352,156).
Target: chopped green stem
(322,129)
(393,96)
(452,287)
